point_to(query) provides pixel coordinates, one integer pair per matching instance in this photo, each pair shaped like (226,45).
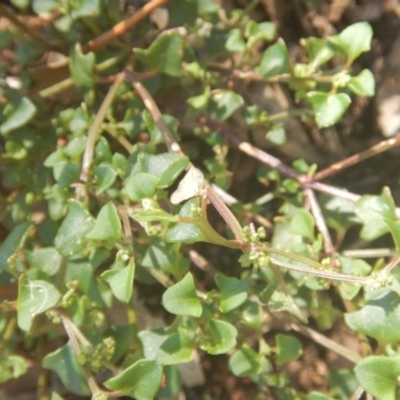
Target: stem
(326,342)
(356,158)
(94,129)
(225,213)
(123,26)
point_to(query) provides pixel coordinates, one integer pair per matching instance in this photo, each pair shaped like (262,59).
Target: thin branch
(123,26)
(326,342)
(155,113)
(320,221)
(94,129)
(356,158)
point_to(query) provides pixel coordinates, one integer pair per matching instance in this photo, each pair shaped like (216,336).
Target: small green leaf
(164,55)
(121,281)
(379,318)
(223,104)
(245,362)
(81,67)
(354,40)
(288,348)
(302,224)
(66,173)
(63,361)
(12,367)
(107,225)
(14,241)
(106,176)
(44,6)
(374,211)
(252,315)
(328,108)
(220,338)
(181,298)
(141,185)
(352,266)
(166,166)
(379,375)
(186,232)
(276,135)
(85,8)
(34,297)
(46,259)
(235,42)
(275,60)
(318,51)
(141,380)
(233,292)
(394,228)
(71,236)
(363,84)
(259,31)
(176,349)
(23,110)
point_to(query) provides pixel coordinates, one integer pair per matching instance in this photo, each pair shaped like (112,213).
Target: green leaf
(223,104)
(379,375)
(23,110)
(12,367)
(259,31)
(141,380)
(318,51)
(220,337)
(245,362)
(66,173)
(288,348)
(354,40)
(63,361)
(233,292)
(13,242)
(141,185)
(166,166)
(34,297)
(107,225)
(328,108)
(379,318)
(275,60)
(186,232)
(374,211)
(44,6)
(85,8)
(164,55)
(181,298)
(394,228)
(252,315)
(106,176)
(121,281)
(235,42)
(352,266)
(81,67)
(302,224)
(276,135)
(176,349)
(363,84)
(71,236)
(46,259)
